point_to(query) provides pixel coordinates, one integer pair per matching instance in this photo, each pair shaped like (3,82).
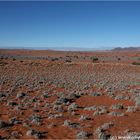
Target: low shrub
(135,63)
(94,59)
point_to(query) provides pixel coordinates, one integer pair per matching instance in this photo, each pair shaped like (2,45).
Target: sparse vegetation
(94,59)
(14,59)
(119,59)
(135,63)
(3,63)
(39,97)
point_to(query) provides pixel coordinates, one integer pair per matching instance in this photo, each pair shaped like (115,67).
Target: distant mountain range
(127,49)
(73,48)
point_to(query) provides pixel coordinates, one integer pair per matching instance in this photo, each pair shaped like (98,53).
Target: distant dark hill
(126,49)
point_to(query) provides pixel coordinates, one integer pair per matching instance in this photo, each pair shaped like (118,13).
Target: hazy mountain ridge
(127,49)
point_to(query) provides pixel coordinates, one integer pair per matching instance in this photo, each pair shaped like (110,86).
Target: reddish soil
(42,90)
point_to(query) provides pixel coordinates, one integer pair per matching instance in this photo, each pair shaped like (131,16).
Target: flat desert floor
(69,95)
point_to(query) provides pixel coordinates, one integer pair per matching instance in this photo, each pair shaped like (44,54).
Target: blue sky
(59,24)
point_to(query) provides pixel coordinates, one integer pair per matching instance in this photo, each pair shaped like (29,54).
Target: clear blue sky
(93,24)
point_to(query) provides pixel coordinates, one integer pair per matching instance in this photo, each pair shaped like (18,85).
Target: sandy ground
(69,95)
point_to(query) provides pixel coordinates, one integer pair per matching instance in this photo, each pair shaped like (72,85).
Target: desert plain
(47,94)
